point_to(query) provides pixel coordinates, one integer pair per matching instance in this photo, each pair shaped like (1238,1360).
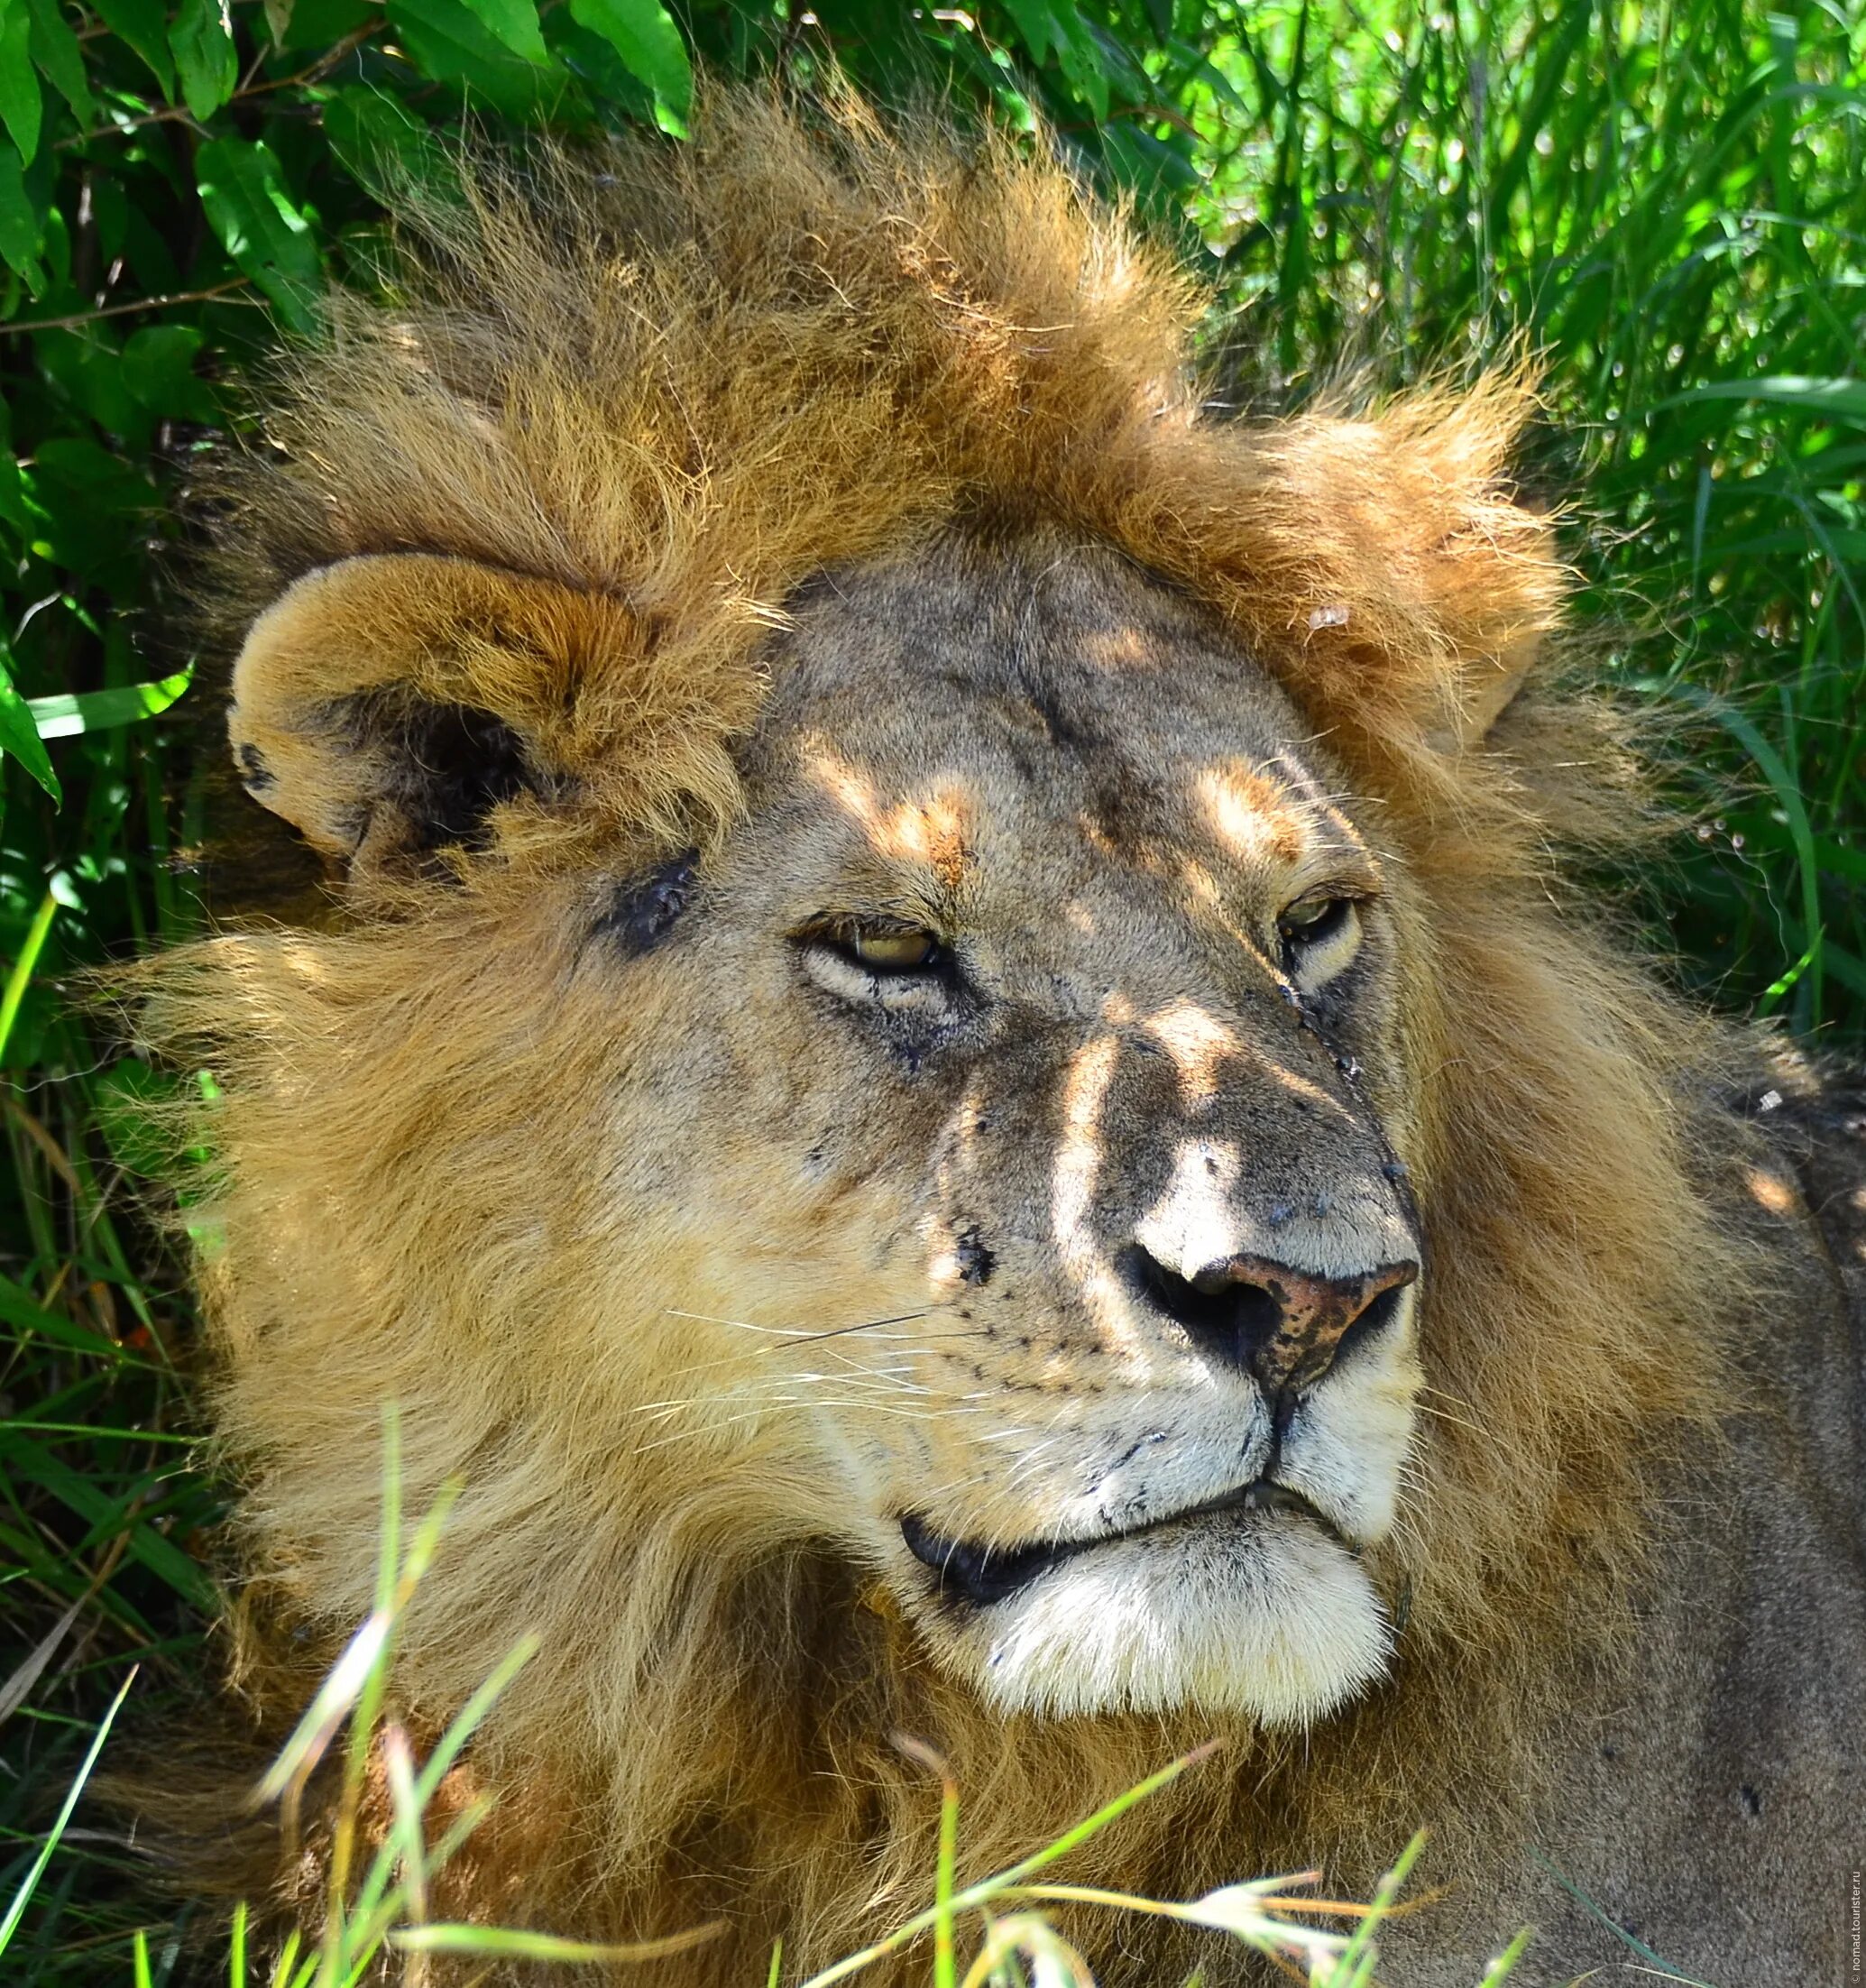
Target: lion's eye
(903,968)
(891,952)
(1320,935)
(1312,921)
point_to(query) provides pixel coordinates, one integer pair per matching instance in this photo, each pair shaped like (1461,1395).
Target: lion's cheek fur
(1352,1444)
(592,1286)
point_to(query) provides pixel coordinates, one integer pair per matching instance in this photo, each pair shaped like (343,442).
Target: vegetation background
(1668,199)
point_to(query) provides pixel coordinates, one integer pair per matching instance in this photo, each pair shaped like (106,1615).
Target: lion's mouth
(984,1574)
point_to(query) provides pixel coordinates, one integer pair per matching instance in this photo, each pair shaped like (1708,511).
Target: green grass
(1669,202)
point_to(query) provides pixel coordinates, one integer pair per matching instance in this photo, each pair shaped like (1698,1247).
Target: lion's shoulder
(1819,1127)
(1810,1351)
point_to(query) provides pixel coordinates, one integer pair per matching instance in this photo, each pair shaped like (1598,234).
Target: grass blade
(28,1884)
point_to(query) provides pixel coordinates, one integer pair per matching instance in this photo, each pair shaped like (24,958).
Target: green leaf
(22,110)
(436,1938)
(243,189)
(514,23)
(81,478)
(1845,398)
(19,734)
(37,1465)
(56,50)
(383,146)
(28,1884)
(1038,27)
(148,255)
(1848,968)
(87,365)
(12,493)
(1081,58)
(201,36)
(143,26)
(98,710)
(317,24)
(1159,173)
(643,33)
(25,963)
(1047,25)
(452,46)
(158,371)
(22,1310)
(95,508)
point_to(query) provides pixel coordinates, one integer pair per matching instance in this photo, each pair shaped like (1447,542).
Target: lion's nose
(1286,1327)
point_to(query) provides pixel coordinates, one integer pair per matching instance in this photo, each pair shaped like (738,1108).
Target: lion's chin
(1264,1617)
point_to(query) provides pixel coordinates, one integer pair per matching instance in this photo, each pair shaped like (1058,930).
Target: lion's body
(773,560)
(1703,1790)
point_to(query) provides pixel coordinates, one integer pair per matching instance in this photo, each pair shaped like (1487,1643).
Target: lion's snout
(1283,1325)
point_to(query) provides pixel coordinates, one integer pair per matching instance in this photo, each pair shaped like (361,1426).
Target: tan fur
(575,477)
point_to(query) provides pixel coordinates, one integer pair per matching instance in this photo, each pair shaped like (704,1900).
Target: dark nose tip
(1286,1327)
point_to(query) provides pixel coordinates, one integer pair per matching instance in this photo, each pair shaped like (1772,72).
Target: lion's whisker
(764,1408)
(796,1335)
(903,1340)
(1458,1421)
(868,1325)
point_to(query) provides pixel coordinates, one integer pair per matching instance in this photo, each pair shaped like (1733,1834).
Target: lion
(954,1068)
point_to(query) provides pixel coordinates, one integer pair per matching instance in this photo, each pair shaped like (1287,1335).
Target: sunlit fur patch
(1250,814)
(1197,1041)
(1259,1615)
(1771,1191)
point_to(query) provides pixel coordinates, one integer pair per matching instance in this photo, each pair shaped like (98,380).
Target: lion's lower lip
(983,1574)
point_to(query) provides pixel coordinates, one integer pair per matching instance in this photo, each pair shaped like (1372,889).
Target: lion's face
(1048,1167)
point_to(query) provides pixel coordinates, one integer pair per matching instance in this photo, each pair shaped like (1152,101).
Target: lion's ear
(387,706)
(1429,586)
(1492,581)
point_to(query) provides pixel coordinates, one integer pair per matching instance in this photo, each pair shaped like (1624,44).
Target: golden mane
(680,385)
(687,382)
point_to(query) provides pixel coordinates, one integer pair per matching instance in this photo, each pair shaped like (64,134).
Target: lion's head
(1052,981)
(952,1072)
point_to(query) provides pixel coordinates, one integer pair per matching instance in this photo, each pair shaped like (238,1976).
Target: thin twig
(121,310)
(181,113)
(328,61)
(171,114)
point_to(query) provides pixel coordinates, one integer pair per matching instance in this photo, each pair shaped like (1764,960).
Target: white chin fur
(1267,1619)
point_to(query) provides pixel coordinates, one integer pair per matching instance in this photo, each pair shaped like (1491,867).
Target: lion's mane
(679,385)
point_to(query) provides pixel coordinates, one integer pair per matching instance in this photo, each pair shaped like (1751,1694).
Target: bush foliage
(1669,201)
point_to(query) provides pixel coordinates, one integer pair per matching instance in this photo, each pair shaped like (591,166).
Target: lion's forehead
(1050,704)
